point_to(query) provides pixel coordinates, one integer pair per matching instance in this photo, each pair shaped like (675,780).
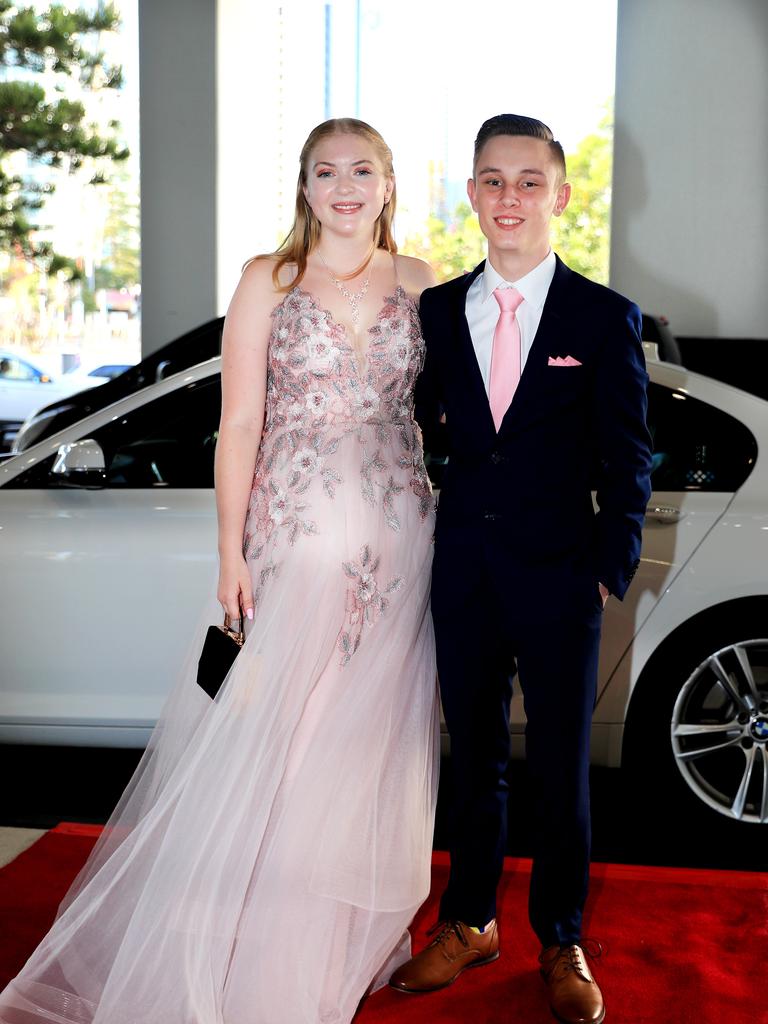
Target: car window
(108,370)
(15,369)
(169,442)
(695,446)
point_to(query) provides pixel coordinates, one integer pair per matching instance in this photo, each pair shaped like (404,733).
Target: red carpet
(681,946)
(31,888)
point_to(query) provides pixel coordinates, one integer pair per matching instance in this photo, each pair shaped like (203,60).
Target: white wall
(177,43)
(690,203)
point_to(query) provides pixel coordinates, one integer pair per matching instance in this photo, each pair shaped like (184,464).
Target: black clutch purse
(222,645)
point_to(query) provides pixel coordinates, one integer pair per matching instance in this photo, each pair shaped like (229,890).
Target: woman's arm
(243,395)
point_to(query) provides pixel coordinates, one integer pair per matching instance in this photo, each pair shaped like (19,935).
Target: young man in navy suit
(534,385)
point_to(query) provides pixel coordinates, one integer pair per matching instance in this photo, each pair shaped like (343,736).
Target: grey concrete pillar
(177,44)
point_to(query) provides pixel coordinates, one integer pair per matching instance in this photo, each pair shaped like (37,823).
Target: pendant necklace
(353,298)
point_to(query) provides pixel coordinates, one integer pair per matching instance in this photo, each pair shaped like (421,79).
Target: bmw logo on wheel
(760,728)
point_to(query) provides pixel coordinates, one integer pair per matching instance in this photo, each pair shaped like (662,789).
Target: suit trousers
(494,618)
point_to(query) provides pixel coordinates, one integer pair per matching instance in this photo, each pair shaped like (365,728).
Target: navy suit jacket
(569,430)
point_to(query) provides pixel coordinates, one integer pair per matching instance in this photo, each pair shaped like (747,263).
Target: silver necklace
(353,298)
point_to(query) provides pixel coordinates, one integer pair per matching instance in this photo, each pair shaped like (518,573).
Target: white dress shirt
(482,309)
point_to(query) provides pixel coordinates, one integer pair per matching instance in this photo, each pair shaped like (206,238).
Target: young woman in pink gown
(267,857)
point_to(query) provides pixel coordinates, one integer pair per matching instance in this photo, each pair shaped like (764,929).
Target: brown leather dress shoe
(454,948)
(574,996)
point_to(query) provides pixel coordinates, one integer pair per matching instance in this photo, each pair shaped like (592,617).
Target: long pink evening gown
(269,853)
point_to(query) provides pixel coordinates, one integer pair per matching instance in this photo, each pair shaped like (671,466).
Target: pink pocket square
(562,361)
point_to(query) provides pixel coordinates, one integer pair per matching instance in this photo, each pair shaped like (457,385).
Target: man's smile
(507,221)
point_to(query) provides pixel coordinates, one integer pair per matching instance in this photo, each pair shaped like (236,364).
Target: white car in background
(81,377)
(108,554)
(26,386)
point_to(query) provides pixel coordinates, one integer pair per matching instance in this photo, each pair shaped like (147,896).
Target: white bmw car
(108,554)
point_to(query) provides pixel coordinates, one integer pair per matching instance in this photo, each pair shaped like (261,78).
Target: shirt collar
(533,286)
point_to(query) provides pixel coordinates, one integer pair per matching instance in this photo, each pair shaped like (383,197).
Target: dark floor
(45,785)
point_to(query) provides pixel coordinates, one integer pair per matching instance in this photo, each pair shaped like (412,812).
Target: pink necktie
(505,357)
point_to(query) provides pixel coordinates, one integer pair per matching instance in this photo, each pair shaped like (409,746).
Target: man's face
(515,192)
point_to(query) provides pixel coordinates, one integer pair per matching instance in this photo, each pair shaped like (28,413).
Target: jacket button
(496,458)
(490,516)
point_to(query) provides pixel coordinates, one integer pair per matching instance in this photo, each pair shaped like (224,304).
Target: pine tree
(50,130)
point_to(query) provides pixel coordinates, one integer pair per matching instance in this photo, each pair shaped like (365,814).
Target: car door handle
(664,514)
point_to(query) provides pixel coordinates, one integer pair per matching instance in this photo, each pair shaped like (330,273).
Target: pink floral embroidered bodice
(334,427)
(315,378)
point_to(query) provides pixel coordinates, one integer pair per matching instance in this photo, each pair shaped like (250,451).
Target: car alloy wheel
(719,731)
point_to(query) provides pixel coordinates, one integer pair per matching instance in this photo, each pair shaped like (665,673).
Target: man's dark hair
(518,124)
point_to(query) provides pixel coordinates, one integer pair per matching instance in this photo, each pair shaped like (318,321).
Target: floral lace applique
(365,602)
(412,459)
(253,551)
(397,352)
(317,396)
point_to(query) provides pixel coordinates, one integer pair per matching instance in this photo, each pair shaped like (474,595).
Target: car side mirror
(80,464)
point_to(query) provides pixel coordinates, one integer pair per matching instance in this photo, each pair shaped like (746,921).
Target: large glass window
(69,183)
(426,75)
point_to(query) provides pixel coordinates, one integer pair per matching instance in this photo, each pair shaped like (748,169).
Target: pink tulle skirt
(267,857)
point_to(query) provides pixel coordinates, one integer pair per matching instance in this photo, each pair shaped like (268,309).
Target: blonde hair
(305,231)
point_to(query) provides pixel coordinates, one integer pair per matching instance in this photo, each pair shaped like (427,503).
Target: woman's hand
(235,592)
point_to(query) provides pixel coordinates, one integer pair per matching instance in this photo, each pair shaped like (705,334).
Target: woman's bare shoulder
(257,272)
(256,294)
(257,280)
(415,275)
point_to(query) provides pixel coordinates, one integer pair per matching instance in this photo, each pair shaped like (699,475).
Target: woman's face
(347,186)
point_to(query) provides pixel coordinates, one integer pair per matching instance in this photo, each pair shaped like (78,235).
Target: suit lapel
(475,385)
(550,328)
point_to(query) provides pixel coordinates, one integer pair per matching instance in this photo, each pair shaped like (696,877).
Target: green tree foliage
(120,265)
(51,130)
(450,247)
(582,233)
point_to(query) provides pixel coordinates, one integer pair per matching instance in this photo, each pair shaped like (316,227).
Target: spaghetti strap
(394,264)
